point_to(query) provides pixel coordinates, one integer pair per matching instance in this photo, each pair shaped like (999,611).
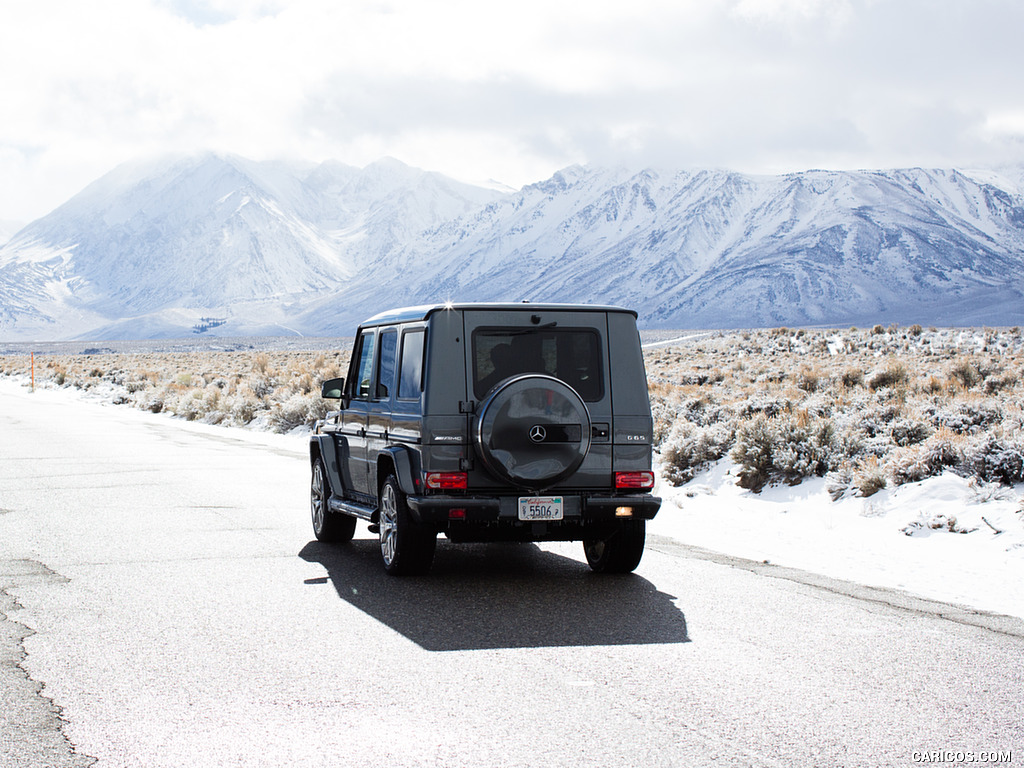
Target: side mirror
(333,389)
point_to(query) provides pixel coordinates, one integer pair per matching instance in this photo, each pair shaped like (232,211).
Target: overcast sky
(507,90)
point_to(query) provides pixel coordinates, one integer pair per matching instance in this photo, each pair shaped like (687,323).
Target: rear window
(570,354)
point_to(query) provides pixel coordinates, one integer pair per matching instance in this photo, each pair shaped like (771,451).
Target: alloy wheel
(388,524)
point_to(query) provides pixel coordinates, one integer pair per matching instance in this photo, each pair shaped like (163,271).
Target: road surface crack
(31,724)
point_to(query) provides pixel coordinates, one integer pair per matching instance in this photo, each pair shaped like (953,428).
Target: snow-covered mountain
(720,249)
(153,248)
(261,248)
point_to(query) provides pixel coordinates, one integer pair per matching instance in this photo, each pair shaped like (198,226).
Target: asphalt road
(162,603)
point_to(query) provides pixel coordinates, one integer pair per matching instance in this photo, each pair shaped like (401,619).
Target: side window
(362,366)
(386,364)
(411,377)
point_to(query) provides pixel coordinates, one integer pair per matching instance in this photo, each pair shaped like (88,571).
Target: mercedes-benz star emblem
(538,434)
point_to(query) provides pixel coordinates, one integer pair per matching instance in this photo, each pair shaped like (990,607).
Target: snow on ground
(907,538)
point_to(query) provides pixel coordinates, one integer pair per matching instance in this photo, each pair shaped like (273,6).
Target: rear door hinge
(467,406)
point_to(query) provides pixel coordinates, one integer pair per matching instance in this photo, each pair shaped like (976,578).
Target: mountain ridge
(281,248)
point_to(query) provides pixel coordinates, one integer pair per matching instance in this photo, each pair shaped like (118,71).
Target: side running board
(347,507)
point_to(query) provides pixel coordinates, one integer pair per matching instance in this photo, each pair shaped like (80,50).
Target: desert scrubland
(270,389)
(865,408)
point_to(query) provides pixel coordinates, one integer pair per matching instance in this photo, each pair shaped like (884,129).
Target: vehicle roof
(422,312)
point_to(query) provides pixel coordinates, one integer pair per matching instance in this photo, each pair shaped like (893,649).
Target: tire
(533,431)
(619,550)
(327,525)
(406,548)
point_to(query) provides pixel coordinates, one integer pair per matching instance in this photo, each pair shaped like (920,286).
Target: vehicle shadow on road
(489,596)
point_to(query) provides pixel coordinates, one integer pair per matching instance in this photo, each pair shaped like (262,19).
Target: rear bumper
(579,509)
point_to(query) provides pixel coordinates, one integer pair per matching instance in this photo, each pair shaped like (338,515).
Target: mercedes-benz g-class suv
(489,422)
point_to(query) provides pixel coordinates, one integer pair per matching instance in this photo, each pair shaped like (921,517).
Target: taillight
(447,481)
(634,480)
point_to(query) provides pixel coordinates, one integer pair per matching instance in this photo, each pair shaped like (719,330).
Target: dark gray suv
(489,422)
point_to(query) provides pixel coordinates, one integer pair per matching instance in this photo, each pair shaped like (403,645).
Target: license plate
(540,507)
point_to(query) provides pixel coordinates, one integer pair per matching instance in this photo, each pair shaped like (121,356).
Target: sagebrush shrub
(966,374)
(966,417)
(853,377)
(808,380)
(753,452)
(997,459)
(297,411)
(906,431)
(663,413)
(690,449)
(244,405)
(869,477)
(764,405)
(996,384)
(781,449)
(191,407)
(893,375)
(943,450)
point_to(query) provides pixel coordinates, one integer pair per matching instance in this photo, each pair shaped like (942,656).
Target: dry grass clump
(866,408)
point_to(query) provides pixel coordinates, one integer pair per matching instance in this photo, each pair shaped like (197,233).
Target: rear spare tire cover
(533,431)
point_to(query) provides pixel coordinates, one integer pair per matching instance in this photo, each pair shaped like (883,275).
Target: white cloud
(1005,124)
(790,11)
(506,90)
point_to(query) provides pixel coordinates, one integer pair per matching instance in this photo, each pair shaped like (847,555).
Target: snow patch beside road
(945,538)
